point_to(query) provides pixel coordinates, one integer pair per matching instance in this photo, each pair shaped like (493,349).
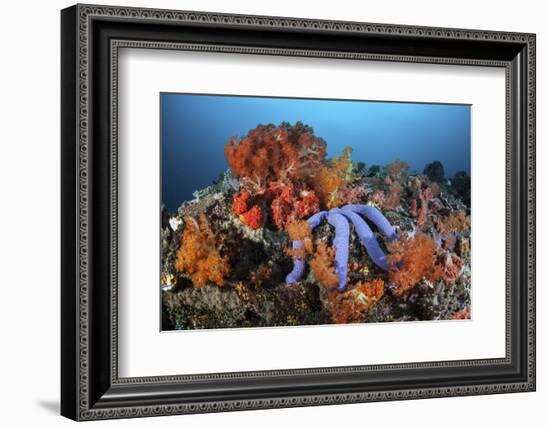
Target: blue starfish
(339,218)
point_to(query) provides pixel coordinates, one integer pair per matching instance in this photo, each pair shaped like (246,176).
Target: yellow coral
(198,255)
(326,184)
(343,164)
(332,178)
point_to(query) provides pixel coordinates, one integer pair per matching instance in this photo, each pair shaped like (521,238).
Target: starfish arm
(373,214)
(341,243)
(367,238)
(316,219)
(299,265)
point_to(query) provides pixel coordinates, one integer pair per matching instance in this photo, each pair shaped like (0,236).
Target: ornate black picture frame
(90,38)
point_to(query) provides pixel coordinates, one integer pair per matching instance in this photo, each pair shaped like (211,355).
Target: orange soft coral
(354,304)
(198,256)
(299,230)
(455,222)
(461,315)
(409,261)
(322,266)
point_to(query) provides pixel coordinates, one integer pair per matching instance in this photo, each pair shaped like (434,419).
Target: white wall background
(29,211)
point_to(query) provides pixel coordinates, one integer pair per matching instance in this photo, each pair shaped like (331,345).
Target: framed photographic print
(264,212)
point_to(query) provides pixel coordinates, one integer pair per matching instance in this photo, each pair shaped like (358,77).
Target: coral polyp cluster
(289,236)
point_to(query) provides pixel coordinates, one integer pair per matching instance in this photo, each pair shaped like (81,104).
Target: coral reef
(287,236)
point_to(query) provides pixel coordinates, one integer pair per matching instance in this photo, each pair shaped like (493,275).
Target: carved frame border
(85,13)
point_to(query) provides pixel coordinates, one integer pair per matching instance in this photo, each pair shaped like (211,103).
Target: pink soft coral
(422,195)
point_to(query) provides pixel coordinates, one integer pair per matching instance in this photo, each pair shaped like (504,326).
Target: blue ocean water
(195,128)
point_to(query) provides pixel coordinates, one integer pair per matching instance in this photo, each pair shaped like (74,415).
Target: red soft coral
(253,217)
(241,201)
(291,204)
(307,204)
(268,153)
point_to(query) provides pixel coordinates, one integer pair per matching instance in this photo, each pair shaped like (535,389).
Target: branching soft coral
(276,167)
(253,217)
(327,183)
(448,268)
(300,230)
(354,304)
(291,204)
(198,255)
(322,266)
(332,179)
(422,195)
(390,199)
(410,260)
(268,153)
(455,222)
(398,170)
(241,201)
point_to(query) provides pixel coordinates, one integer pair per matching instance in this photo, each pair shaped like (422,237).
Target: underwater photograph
(294,211)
